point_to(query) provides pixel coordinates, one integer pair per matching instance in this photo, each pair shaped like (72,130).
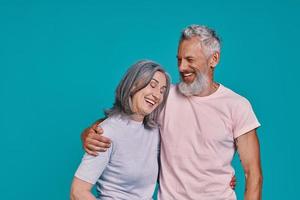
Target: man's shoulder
(231,93)
(236,99)
(173,88)
(173,91)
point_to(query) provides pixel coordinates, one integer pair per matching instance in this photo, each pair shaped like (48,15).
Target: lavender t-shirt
(129,168)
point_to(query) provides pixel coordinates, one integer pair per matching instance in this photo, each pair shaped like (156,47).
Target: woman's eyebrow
(155,80)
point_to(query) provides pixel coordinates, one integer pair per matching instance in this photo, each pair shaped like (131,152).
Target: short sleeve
(244,118)
(91,167)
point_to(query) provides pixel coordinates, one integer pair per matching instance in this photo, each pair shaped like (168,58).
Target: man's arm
(248,149)
(93,140)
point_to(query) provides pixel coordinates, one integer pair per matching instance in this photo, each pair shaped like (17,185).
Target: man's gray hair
(137,77)
(209,40)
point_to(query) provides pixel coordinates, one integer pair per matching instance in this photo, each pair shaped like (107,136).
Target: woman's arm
(81,190)
(89,171)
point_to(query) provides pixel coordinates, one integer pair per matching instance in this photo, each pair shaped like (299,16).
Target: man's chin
(184,88)
(187,80)
(190,89)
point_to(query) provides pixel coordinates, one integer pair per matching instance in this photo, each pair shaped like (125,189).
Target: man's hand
(248,149)
(233,183)
(93,141)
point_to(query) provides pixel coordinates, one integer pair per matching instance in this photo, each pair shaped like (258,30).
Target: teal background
(60,62)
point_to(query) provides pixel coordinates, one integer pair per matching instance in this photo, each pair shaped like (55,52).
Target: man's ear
(214,59)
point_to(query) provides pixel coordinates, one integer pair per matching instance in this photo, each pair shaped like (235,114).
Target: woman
(129,168)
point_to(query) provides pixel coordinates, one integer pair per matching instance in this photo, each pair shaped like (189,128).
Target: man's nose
(182,66)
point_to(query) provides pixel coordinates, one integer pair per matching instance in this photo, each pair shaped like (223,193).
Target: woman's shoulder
(111,126)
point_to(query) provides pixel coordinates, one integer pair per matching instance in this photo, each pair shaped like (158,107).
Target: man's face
(191,58)
(193,67)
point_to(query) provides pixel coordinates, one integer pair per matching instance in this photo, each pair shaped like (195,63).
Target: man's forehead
(189,50)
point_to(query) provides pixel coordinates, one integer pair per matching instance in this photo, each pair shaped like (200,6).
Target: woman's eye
(152,85)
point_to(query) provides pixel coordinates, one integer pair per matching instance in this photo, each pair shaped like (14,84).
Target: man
(202,125)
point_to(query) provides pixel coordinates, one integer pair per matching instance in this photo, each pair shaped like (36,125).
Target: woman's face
(148,98)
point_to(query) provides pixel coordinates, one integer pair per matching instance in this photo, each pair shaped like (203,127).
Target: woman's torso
(132,169)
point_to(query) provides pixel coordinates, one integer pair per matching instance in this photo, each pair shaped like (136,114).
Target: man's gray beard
(196,87)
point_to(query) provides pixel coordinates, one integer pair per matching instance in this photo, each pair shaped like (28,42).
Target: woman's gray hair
(209,40)
(137,77)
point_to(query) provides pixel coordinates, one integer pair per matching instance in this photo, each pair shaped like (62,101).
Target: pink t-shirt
(197,144)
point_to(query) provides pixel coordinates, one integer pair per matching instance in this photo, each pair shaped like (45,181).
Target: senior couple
(184,136)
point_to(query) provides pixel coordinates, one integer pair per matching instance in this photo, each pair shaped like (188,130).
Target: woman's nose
(156,95)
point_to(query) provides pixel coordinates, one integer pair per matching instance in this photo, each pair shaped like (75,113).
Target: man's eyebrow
(186,57)
(189,57)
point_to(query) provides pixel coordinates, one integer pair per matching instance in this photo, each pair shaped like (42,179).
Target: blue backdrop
(61,61)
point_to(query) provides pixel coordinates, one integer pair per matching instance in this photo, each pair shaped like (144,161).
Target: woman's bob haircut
(137,77)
